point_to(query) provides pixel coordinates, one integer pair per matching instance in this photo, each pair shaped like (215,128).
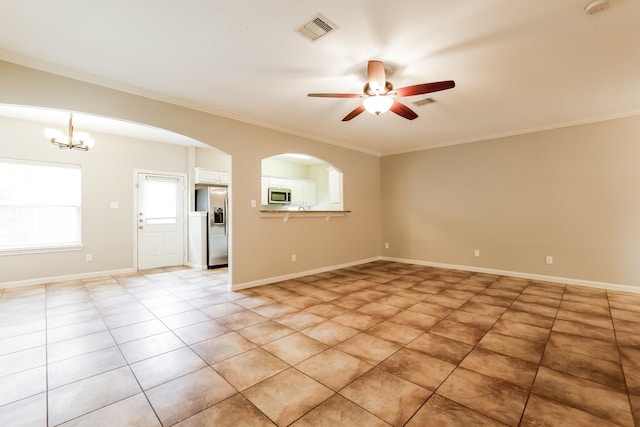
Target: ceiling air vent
(424,102)
(317,27)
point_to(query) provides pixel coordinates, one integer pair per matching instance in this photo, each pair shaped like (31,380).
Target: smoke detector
(595,6)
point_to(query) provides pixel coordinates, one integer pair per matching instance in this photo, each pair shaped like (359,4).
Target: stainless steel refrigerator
(214,201)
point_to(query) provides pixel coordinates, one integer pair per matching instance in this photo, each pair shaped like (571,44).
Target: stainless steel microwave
(279,196)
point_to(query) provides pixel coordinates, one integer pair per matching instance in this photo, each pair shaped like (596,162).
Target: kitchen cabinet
(309,193)
(207,176)
(264,191)
(297,192)
(303,193)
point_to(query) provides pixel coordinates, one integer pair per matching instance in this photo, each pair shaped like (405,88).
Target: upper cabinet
(207,176)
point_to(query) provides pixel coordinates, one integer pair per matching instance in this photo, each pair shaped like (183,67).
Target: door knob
(140,227)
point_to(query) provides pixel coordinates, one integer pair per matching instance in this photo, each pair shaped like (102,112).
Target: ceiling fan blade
(425,88)
(354,113)
(335,95)
(403,110)
(376,76)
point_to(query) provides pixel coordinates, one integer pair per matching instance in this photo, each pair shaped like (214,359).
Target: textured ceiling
(518,66)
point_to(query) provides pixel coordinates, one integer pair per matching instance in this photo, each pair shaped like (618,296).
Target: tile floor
(373,345)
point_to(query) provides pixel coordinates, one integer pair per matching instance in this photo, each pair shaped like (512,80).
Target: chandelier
(77,141)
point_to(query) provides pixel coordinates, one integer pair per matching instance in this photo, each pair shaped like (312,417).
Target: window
(39,205)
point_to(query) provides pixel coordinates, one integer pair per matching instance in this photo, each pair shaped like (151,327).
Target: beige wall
(571,193)
(261,248)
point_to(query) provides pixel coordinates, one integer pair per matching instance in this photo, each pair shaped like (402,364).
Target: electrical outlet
(89,257)
(294,258)
(253,203)
(476,252)
(386,246)
(549,260)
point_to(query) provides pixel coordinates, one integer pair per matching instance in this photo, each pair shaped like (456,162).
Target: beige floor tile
(235,411)
(600,371)
(479,321)
(334,368)
(431,309)
(299,320)
(366,347)
(521,330)
(451,298)
(371,391)
(511,346)
(584,330)
(588,396)
(415,319)
(75,330)
(222,347)
(330,332)
(457,331)
(186,318)
(249,368)
(143,348)
(419,368)
(295,348)
(628,340)
(287,396)
(133,411)
(586,318)
(160,369)
(23,384)
(517,316)
(357,320)
(588,347)
(441,412)
(327,310)
(443,348)
(492,397)
(580,307)
(31,411)
(630,356)
(543,412)
(201,331)
(241,320)
(513,370)
(138,330)
(185,396)
(339,412)
(265,332)
(379,309)
(272,311)
(84,366)
(90,394)
(19,361)
(394,332)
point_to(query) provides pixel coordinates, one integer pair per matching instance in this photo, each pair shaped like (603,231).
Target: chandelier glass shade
(76,141)
(378,104)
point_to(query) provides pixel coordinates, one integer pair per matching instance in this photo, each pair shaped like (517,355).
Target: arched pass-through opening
(297,181)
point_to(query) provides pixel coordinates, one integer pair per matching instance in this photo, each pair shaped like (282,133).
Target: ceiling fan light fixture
(377,104)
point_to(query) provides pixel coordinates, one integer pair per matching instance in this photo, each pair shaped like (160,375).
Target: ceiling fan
(379,94)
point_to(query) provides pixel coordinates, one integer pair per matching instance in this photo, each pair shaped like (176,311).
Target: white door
(160,220)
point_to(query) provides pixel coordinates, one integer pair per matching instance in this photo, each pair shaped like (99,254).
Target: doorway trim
(185,210)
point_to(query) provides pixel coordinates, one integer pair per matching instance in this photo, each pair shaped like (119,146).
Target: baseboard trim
(554,279)
(254,283)
(43,280)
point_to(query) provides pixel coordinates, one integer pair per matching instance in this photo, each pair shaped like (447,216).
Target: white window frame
(49,246)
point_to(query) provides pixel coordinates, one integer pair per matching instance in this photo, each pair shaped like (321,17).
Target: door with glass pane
(160,220)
